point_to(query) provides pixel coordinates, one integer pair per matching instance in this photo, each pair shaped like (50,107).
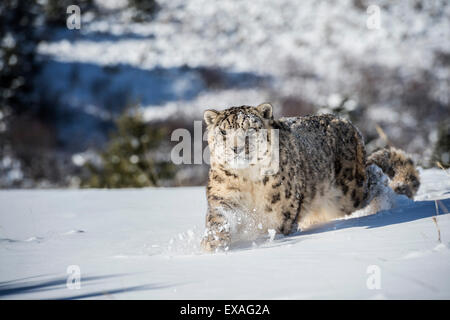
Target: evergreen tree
(19,37)
(56,10)
(441,151)
(18,43)
(130,158)
(144,9)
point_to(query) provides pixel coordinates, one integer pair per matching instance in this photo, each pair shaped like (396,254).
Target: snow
(144,244)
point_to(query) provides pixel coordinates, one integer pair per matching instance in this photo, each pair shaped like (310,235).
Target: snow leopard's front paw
(215,241)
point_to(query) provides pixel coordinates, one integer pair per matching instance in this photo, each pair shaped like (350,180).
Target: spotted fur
(404,178)
(323,174)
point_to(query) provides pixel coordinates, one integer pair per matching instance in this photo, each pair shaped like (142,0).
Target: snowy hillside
(383,64)
(202,53)
(144,244)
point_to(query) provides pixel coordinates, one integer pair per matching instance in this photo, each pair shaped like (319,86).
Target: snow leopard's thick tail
(399,167)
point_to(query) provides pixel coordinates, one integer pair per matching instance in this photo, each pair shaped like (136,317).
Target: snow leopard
(315,169)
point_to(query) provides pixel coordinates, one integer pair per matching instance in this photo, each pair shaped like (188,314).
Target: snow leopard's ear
(265,110)
(209,116)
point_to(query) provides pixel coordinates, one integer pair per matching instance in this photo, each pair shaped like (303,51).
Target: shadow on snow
(21,287)
(419,210)
(85,97)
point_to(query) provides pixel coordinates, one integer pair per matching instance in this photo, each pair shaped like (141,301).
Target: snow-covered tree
(130,159)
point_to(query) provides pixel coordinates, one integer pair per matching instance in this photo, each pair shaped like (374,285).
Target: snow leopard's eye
(223,132)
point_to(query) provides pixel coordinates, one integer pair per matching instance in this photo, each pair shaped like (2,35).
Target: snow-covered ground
(143,244)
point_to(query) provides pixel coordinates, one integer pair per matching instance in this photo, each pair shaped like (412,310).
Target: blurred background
(96,106)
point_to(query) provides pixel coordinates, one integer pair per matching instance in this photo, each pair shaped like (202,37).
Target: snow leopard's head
(240,137)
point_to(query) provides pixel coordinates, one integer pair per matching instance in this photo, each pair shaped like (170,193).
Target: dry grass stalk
(383,135)
(435,220)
